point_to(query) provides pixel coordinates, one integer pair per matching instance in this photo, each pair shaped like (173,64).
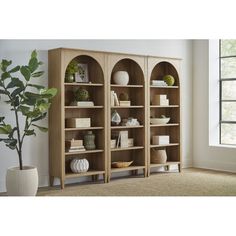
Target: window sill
(222,146)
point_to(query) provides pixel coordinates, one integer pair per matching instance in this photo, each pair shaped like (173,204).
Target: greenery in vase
(25,98)
(71,69)
(81,94)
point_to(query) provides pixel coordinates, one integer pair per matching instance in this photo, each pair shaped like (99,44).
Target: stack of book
(159,83)
(74,145)
(121,138)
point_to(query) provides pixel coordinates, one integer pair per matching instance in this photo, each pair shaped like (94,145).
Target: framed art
(82,75)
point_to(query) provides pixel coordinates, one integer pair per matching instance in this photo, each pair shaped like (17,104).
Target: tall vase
(89,141)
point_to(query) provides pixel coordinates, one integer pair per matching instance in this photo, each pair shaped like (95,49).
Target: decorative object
(124,97)
(32,105)
(130,122)
(79,165)
(112,98)
(71,70)
(122,140)
(81,94)
(74,145)
(130,142)
(160,139)
(160,100)
(113,143)
(158,156)
(121,164)
(169,79)
(121,77)
(115,118)
(158,121)
(82,75)
(78,122)
(89,141)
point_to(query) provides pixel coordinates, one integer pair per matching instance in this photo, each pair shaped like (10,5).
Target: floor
(190,182)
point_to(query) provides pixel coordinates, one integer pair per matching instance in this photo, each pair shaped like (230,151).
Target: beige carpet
(190,182)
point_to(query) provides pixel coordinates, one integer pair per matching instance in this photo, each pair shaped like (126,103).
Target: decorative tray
(121,164)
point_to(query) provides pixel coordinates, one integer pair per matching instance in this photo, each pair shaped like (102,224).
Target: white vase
(22,182)
(79,165)
(121,77)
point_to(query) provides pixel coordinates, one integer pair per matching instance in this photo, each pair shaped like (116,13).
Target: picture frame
(82,75)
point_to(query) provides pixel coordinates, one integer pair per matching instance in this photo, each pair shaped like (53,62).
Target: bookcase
(101,69)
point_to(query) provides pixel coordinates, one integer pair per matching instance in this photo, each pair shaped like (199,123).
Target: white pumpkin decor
(121,77)
(79,165)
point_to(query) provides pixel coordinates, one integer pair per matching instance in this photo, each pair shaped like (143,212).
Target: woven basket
(121,164)
(158,156)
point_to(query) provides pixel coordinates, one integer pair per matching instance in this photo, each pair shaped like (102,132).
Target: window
(227,92)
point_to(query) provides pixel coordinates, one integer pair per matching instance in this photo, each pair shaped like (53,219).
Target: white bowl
(121,77)
(158,121)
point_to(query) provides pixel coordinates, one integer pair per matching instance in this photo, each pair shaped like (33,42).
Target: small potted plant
(71,70)
(30,101)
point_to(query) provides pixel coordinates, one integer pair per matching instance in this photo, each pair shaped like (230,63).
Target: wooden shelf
(125,149)
(165,87)
(127,86)
(127,127)
(169,163)
(88,173)
(83,107)
(117,107)
(83,152)
(83,128)
(164,145)
(164,125)
(84,84)
(157,106)
(113,170)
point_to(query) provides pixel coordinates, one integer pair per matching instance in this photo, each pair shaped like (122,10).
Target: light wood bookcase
(101,67)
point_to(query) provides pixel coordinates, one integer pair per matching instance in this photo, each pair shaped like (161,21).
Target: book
(125,103)
(124,139)
(76,150)
(112,99)
(116,100)
(84,104)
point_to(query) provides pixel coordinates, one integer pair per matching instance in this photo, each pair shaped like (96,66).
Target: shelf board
(127,168)
(127,148)
(82,107)
(128,85)
(83,128)
(162,125)
(117,107)
(83,152)
(169,163)
(158,106)
(164,145)
(83,84)
(127,127)
(165,87)
(88,173)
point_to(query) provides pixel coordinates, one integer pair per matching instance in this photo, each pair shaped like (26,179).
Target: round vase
(115,118)
(79,165)
(70,78)
(89,141)
(22,182)
(121,77)
(158,156)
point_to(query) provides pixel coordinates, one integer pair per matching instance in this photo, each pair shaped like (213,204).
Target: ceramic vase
(79,165)
(89,141)
(121,77)
(158,156)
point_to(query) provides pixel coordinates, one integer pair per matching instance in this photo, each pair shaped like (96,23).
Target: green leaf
(43,129)
(15,82)
(6,129)
(44,107)
(34,54)
(3,91)
(24,109)
(16,92)
(36,86)
(2,118)
(30,132)
(4,64)
(25,72)
(40,117)
(37,74)
(12,144)
(30,95)
(29,102)
(12,133)
(5,75)
(51,92)
(15,69)
(33,64)
(33,114)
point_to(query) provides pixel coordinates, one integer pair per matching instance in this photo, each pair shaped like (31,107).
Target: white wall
(205,155)
(36,149)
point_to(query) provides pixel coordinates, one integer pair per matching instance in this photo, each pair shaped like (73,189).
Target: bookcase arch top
(135,71)
(95,70)
(164,68)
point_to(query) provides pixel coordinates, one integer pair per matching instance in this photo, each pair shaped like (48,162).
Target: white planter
(79,165)
(121,77)
(22,182)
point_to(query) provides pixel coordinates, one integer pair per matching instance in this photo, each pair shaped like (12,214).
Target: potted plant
(71,70)
(31,101)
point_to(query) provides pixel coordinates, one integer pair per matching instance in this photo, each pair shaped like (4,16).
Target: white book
(77,150)
(124,139)
(116,100)
(112,99)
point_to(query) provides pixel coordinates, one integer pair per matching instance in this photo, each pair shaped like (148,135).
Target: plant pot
(121,77)
(158,156)
(22,182)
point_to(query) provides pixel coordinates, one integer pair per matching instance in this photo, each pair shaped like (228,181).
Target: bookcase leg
(145,174)
(93,177)
(179,167)
(51,180)
(105,178)
(62,183)
(167,168)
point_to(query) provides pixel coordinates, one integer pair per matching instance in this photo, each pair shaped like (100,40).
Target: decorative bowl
(121,77)
(157,121)
(121,164)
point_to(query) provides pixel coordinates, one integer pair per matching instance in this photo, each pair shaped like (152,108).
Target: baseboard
(216,165)
(187,163)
